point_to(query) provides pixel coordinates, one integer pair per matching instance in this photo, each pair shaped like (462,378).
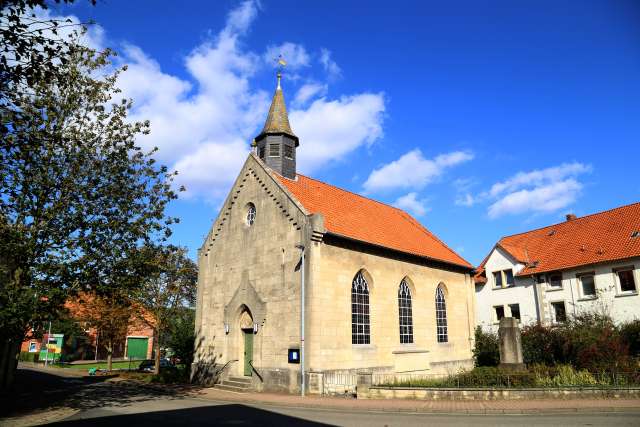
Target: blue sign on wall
(294,355)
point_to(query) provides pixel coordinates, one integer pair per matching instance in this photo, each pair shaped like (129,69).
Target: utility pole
(302,262)
(46,360)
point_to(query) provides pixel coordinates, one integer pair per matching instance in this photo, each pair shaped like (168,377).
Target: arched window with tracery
(360,321)
(405,313)
(441,316)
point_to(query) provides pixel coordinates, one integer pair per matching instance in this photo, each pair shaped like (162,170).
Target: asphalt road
(95,402)
(198,412)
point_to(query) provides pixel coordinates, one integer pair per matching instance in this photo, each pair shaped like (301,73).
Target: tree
(30,46)
(110,315)
(181,335)
(77,195)
(170,286)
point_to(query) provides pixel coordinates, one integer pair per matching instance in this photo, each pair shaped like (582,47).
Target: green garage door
(137,348)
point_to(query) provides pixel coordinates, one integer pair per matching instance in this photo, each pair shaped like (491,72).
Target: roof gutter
(469,269)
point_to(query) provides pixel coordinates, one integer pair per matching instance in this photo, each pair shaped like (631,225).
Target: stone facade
(250,280)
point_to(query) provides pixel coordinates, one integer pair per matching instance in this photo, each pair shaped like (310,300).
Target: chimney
(571,217)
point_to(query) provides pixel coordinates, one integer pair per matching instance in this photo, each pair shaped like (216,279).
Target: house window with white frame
(554,280)
(33,347)
(587,285)
(559,312)
(503,279)
(626,281)
(515,310)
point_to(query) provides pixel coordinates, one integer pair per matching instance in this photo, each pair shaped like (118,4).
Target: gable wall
(488,295)
(255,266)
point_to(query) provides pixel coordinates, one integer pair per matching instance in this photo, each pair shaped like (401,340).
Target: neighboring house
(382,293)
(136,344)
(547,275)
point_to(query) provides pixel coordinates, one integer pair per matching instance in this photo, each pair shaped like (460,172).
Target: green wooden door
(248,351)
(137,348)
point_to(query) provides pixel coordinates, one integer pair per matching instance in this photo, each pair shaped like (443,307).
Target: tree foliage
(110,315)
(78,196)
(169,287)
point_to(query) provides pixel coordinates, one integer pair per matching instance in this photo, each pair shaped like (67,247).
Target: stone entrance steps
(237,384)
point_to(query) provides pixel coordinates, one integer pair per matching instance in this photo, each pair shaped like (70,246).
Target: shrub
(630,333)
(486,351)
(592,342)
(541,345)
(171,376)
(562,376)
(25,356)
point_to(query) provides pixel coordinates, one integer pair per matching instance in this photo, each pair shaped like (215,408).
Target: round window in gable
(251,214)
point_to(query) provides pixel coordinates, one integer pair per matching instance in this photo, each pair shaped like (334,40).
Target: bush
(170,376)
(592,342)
(486,351)
(541,345)
(630,333)
(25,356)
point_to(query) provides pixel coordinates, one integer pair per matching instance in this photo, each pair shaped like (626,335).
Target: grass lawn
(103,365)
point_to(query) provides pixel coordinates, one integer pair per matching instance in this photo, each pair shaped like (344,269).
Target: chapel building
(381,293)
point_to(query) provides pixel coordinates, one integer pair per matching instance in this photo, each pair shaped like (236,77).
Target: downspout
(302,262)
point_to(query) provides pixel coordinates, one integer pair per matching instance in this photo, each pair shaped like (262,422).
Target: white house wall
(609,300)
(488,296)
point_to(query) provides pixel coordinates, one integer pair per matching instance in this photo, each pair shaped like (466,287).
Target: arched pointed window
(405,313)
(360,322)
(441,316)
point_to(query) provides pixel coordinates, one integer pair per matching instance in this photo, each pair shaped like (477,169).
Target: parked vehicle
(148,365)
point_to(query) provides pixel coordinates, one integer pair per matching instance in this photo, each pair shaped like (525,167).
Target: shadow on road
(36,389)
(232,414)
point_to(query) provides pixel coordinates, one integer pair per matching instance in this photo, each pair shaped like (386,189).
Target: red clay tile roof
(356,217)
(600,237)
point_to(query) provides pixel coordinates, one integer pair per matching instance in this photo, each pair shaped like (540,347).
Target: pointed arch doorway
(246,326)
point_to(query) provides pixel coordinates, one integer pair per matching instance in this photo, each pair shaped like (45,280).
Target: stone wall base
(496,394)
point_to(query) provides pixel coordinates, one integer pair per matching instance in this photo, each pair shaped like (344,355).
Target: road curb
(422,410)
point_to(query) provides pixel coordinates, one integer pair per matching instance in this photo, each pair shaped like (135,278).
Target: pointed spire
(278,119)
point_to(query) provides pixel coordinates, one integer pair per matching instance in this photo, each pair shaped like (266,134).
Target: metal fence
(505,380)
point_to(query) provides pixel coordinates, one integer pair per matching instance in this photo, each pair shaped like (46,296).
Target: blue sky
(482,119)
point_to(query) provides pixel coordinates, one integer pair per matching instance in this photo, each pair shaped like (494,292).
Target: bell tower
(276,144)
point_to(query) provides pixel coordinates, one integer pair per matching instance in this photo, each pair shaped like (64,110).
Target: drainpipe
(302,262)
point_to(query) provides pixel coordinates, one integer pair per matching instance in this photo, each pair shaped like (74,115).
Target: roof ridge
(425,230)
(348,191)
(580,218)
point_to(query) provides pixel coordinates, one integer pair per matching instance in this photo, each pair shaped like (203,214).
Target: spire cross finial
(281,64)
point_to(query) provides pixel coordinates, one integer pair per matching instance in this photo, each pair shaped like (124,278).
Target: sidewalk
(434,406)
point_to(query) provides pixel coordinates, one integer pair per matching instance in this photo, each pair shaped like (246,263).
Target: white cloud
(329,130)
(203,125)
(538,177)
(94,37)
(331,68)
(410,202)
(538,191)
(465,199)
(309,91)
(295,55)
(412,170)
(546,198)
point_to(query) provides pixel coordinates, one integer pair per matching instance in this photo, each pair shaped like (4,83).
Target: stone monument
(510,344)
